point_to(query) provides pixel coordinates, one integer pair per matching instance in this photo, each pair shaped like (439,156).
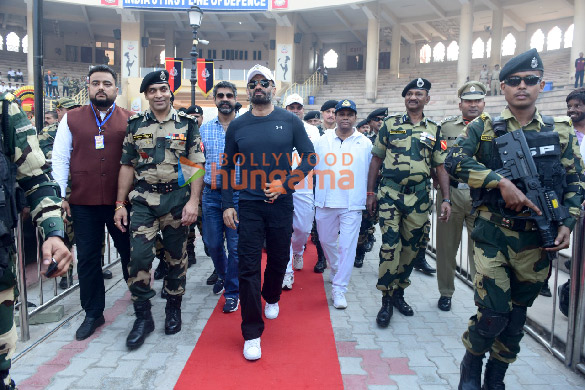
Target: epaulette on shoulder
(563,119)
(448,119)
(185,115)
(431,121)
(135,116)
(484,116)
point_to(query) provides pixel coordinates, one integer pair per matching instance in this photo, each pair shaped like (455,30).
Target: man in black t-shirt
(261,141)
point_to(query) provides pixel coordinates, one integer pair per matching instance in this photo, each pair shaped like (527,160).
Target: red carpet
(298,348)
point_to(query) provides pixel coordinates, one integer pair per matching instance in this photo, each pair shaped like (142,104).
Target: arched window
(537,40)
(12,42)
(425,54)
(25,44)
(453,51)
(488,48)
(554,38)
(330,59)
(477,49)
(162,57)
(509,45)
(568,41)
(439,52)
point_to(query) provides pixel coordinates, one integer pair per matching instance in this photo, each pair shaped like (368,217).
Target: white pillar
(285,55)
(132,55)
(395,51)
(373,45)
(497,32)
(169,42)
(578,34)
(465,36)
(30,59)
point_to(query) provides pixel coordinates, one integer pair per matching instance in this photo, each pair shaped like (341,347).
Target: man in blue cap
(508,247)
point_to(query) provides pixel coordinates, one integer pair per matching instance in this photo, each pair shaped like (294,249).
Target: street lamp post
(195,16)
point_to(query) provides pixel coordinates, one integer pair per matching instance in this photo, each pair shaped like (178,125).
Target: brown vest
(94,172)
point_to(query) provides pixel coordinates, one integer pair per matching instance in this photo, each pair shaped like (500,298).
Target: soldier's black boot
(470,371)
(545,290)
(173,314)
(360,253)
(420,263)
(5,382)
(369,244)
(495,371)
(385,313)
(191,253)
(143,325)
(400,303)
(321,261)
(161,270)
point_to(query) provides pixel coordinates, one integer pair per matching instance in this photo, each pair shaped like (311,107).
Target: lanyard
(100,123)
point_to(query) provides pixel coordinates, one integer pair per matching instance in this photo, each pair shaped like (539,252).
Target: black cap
(383,112)
(529,60)
(312,115)
(329,104)
(195,110)
(156,77)
(237,106)
(419,83)
(183,110)
(362,123)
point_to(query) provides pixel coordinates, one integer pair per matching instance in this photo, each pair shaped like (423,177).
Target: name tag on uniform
(142,136)
(99,141)
(487,138)
(400,131)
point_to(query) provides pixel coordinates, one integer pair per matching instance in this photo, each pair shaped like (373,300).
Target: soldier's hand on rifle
(562,241)
(514,198)
(230,218)
(55,248)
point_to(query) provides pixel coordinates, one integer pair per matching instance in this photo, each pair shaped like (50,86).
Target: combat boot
(495,371)
(173,314)
(421,265)
(400,303)
(321,261)
(369,244)
(385,313)
(161,270)
(191,253)
(5,382)
(470,371)
(360,253)
(143,325)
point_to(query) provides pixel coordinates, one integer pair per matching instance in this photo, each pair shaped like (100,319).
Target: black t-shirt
(263,146)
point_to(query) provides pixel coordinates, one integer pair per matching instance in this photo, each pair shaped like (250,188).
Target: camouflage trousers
(148,216)
(367,228)
(8,334)
(159,247)
(510,274)
(404,222)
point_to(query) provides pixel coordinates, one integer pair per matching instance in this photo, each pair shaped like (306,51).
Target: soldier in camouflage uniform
(155,141)
(507,251)
(409,145)
(472,103)
(19,146)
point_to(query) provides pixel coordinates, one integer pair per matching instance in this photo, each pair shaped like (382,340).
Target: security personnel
(155,141)
(472,103)
(409,145)
(313,118)
(507,252)
(363,127)
(375,119)
(495,81)
(18,138)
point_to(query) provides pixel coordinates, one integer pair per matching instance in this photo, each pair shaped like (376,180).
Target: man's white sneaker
(297,261)
(271,310)
(287,282)
(252,350)
(339,301)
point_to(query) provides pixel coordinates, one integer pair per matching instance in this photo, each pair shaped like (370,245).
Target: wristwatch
(447,200)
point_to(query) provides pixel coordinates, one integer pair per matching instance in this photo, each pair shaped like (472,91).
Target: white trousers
(304,204)
(338,232)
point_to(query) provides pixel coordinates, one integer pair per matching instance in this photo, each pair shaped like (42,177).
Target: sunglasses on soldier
(515,81)
(264,83)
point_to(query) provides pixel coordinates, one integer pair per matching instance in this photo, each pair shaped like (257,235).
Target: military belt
(460,186)
(515,224)
(161,188)
(386,182)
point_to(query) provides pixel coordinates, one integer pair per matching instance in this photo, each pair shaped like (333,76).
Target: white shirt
(61,157)
(11,73)
(305,186)
(342,170)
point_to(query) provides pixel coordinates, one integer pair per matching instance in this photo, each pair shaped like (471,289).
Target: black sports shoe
(212,279)
(231,305)
(218,286)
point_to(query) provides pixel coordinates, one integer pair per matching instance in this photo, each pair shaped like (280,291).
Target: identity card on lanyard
(99,139)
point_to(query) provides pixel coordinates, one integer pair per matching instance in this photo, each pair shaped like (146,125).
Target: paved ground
(419,352)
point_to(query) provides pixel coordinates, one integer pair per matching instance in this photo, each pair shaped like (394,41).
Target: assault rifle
(519,167)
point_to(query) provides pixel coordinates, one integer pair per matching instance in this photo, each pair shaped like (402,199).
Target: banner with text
(211,5)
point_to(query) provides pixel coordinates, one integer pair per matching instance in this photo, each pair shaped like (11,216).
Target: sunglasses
(376,119)
(222,95)
(515,81)
(263,83)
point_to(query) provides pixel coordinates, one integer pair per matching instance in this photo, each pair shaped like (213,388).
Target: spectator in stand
(0,75)
(579,70)
(47,79)
(10,87)
(11,74)
(55,85)
(19,76)
(66,84)
(2,87)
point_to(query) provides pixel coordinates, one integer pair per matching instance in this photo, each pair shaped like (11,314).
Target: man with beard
(88,146)
(155,142)
(264,138)
(213,139)
(51,117)
(576,111)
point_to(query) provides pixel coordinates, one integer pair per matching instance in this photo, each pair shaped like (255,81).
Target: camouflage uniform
(409,152)
(510,268)
(153,148)
(449,235)
(22,148)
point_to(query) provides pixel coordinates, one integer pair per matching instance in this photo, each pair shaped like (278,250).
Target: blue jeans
(213,235)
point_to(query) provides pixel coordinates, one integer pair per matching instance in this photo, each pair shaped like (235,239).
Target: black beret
(312,115)
(419,83)
(328,104)
(237,106)
(156,77)
(362,123)
(529,60)
(383,112)
(195,110)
